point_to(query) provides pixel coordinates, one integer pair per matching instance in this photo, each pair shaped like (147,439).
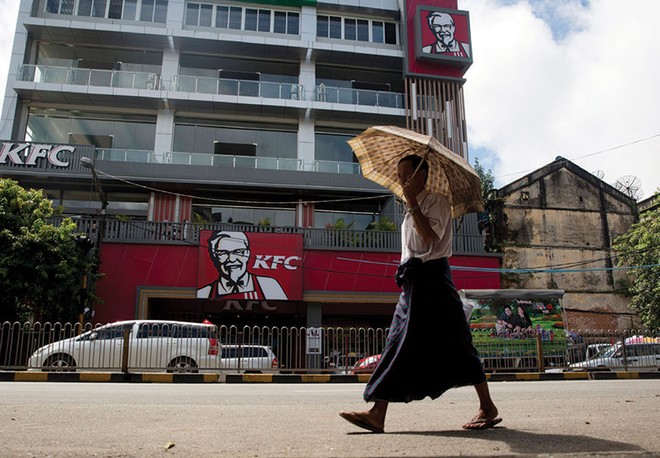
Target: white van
(248,358)
(154,345)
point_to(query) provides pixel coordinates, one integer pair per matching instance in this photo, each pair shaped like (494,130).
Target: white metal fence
(193,347)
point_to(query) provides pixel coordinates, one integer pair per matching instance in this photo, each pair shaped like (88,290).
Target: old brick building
(562,220)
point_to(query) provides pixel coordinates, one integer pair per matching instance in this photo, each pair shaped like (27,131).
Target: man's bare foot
(484,419)
(364,420)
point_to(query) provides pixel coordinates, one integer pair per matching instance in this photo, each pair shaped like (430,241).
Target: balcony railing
(162,232)
(352,96)
(89,77)
(246,88)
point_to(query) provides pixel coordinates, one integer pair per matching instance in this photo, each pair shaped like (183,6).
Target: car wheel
(60,362)
(182,365)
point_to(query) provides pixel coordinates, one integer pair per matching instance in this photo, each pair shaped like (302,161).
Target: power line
(246,202)
(588,155)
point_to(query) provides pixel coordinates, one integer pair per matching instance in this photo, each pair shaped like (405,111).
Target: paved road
(587,417)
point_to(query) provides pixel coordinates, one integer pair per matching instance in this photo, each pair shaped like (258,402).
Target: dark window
(250,19)
(192,14)
(279,25)
(264,21)
(362,30)
(66,7)
(235,14)
(350,29)
(293,24)
(322,26)
(147,11)
(160,15)
(205,15)
(85,8)
(390,33)
(335,27)
(377,32)
(221,16)
(115,9)
(53,6)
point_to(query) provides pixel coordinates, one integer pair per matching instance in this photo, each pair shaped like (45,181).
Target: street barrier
(180,347)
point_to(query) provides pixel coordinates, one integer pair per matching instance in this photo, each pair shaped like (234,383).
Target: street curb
(108,377)
(145,377)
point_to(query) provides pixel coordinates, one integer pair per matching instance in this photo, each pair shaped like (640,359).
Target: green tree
(487,179)
(640,246)
(487,217)
(41,266)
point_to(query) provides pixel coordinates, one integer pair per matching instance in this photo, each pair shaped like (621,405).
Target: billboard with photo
(249,265)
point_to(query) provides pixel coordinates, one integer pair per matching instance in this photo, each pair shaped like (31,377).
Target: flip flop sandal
(358,421)
(485,423)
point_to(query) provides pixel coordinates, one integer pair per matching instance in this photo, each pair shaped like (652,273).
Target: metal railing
(237,87)
(191,348)
(89,77)
(163,232)
(350,96)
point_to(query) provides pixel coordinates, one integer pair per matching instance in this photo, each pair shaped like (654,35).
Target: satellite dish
(598,174)
(630,186)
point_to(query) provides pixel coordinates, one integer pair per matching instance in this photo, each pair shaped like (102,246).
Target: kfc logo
(30,153)
(237,268)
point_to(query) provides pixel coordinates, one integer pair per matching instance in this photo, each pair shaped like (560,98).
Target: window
(250,19)
(356,29)
(264,21)
(199,14)
(377,33)
(390,33)
(362,30)
(253,19)
(350,29)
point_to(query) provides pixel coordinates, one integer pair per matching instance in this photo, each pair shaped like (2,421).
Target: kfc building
(217,131)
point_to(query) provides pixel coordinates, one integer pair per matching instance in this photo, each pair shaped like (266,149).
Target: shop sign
(249,266)
(314,339)
(31,154)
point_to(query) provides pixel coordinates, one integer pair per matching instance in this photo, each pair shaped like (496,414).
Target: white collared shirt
(436,208)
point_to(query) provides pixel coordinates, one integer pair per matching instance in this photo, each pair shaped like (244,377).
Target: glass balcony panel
(269,163)
(288,164)
(272,90)
(100,78)
(79,76)
(227,87)
(346,95)
(248,88)
(369,98)
(245,162)
(123,79)
(220,160)
(207,86)
(59,75)
(185,83)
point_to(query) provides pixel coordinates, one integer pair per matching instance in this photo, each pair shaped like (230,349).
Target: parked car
(366,365)
(248,358)
(638,357)
(172,346)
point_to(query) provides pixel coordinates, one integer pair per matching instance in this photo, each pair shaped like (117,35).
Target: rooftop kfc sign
(30,154)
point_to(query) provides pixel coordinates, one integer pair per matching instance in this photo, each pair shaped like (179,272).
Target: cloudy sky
(573,78)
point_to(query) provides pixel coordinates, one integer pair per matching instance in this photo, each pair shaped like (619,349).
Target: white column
(9,108)
(164,134)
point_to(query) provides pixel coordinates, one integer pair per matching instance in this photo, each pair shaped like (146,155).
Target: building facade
(205,116)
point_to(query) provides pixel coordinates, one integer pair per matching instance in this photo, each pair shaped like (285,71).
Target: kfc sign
(252,266)
(437,39)
(29,154)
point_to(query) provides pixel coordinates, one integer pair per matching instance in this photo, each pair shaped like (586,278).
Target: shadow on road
(526,442)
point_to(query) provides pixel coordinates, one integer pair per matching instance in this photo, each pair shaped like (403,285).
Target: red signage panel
(438,42)
(249,265)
